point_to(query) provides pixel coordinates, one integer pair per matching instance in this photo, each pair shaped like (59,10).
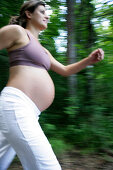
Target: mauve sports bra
(32,54)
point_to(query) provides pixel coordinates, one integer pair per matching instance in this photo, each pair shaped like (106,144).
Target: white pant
(21,134)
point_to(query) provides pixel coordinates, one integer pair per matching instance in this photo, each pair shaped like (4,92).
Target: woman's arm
(9,35)
(70,69)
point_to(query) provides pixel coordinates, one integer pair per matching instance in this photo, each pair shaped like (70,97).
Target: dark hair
(30,5)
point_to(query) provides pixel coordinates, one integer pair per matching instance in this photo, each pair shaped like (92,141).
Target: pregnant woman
(30,90)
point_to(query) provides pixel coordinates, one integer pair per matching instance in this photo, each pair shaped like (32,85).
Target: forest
(81,116)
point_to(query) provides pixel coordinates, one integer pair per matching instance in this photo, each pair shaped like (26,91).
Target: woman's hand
(96,56)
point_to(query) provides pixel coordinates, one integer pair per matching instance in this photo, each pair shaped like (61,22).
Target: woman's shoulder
(10,34)
(12,29)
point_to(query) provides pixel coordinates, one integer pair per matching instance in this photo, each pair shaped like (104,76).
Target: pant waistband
(21,94)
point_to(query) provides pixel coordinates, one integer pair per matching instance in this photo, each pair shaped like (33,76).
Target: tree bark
(71,42)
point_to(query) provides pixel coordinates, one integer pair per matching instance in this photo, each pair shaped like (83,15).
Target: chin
(43,28)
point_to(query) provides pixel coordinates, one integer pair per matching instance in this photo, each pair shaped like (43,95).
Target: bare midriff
(35,83)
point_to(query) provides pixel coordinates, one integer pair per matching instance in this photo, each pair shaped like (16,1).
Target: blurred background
(81,115)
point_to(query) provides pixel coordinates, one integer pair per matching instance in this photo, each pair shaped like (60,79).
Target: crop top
(32,54)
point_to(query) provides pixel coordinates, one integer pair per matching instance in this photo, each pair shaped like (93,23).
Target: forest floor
(76,161)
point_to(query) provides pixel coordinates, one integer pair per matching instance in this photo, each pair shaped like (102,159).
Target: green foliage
(60,146)
(7,9)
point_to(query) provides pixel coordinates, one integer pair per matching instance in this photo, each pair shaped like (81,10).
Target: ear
(28,14)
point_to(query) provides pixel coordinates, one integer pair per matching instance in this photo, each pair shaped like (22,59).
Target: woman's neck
(33,31)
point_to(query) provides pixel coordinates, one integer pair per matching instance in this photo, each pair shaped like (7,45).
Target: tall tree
(86,37)
(71,44)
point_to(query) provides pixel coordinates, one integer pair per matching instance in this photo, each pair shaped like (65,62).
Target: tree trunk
(71,42)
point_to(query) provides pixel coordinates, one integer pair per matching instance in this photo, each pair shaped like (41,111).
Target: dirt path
(75,161)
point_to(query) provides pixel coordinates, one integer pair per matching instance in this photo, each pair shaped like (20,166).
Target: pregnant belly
(42,92)
(35,83)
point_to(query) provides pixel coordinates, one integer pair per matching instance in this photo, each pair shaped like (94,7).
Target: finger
(101,53)
(99,56)
(95,52)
